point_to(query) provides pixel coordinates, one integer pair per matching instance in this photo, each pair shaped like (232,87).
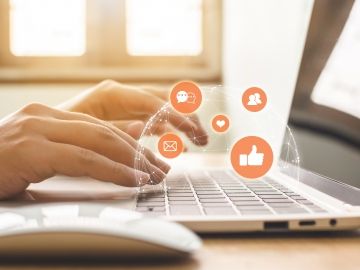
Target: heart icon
(220,123)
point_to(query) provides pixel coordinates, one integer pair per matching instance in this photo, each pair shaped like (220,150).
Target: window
(181,35)
(47,28)
(119,39)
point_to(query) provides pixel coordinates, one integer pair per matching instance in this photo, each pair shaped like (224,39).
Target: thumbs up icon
(253,159)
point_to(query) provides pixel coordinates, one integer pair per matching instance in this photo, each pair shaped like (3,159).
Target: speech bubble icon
(181,96)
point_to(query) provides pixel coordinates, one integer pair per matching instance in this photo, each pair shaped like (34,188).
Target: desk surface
(305,251)
(241,251)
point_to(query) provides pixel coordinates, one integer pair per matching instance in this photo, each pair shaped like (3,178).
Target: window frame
(94,66)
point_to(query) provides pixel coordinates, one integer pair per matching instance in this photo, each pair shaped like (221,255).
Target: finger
(133,128)
(144,103)
(99,139)
(75,161)
(199,135)
(157,91)
(64,115)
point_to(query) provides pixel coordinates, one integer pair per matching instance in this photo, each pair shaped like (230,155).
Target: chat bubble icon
(191,98)
(182,96)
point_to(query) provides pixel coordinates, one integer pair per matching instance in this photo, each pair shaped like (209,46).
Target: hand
(128,107)
(38,142)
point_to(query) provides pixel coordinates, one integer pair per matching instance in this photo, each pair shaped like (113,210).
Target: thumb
(253,150)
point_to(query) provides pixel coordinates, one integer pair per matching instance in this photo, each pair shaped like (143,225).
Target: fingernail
(157,176)
(163,165)
(144,178)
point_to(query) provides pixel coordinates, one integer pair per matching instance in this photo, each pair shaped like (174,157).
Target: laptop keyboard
(221,192)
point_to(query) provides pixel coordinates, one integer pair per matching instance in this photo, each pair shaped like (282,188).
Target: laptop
(202,192)
(209,197)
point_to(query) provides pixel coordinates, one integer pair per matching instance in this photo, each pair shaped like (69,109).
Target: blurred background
(50,50)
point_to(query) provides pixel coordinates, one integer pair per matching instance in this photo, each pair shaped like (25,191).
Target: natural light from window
(48,28)
(164,28)
(339,84)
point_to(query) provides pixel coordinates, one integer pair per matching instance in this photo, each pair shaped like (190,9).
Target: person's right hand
(38,142)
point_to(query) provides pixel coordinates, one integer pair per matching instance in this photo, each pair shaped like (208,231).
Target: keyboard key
(285,200)
(207,189)
(210,196)
(252,207)
(234,188)
(208,192)
(229,185)
(272,196)
(212,200)
(151,195)
(181,198)
(244,199)
(263,190)
(216,204)
(181,194)
(146,204)
(151,199)
(219,211)
(267,193)
(297,197)
(243,203)
(179,190)
(183,202)
(184,210)
(241,196)
(283,205)
(238,191)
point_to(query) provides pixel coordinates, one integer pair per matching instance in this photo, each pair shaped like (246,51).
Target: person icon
(257,98)
(254,99)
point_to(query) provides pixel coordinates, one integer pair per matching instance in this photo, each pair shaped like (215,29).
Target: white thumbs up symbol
(253,159)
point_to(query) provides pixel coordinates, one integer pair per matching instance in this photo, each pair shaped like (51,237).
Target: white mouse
(73,230)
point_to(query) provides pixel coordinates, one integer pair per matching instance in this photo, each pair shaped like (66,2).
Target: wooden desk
(326,251)
(308,251)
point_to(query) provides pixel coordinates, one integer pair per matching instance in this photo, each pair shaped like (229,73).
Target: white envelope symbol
(170,146)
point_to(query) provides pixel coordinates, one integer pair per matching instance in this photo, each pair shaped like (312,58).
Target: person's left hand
(128,107)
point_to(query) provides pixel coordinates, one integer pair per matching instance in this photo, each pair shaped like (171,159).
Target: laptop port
(276,225)
(333,222)
(307,222)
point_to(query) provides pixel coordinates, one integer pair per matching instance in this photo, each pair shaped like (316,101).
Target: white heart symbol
(220,123)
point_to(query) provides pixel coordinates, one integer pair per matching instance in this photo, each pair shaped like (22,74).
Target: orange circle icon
(220,123)
(251,157)
(254,99)
(170,145)
(185,97)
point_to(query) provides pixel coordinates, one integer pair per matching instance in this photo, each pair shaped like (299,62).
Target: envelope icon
(170,146)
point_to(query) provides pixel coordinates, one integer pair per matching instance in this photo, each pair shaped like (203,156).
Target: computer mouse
(71,230)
